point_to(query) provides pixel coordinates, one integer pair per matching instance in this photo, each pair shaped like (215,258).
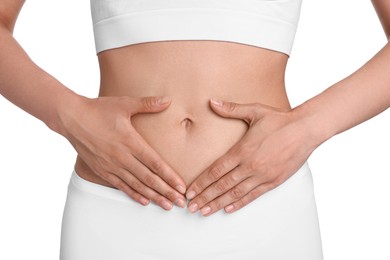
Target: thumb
(246,112)
(149,104)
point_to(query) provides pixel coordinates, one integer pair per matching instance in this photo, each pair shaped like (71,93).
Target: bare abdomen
(189,135)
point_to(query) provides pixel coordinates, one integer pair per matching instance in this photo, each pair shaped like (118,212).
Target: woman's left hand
(275,146)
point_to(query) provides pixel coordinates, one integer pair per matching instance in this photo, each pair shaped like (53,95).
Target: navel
(186,123)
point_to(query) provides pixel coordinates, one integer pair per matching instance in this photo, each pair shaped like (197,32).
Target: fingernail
(180,189)
(229,208)
(181,203)
(163,100)
(191,194)
(216,102)
(144,201)
(193,208)
(166,205)
(205,210)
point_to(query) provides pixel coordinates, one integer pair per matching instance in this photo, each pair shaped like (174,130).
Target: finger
(213,173)
(246,112)
(248,198)
(149,157)
(149,104)
(218,188)
(231,196)
(144,190)
(123,186)
(151,180)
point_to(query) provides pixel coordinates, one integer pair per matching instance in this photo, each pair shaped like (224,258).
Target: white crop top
(269,24)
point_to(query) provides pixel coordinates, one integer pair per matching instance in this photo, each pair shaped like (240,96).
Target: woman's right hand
(101,131)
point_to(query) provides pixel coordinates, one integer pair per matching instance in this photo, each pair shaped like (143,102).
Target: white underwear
(102,223)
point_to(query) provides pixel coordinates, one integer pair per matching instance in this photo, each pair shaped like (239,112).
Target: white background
(351,171)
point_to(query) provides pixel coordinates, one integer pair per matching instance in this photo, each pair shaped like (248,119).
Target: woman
(182,134)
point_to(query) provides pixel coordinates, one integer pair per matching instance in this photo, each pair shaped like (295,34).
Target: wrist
(310,122)
(66,110)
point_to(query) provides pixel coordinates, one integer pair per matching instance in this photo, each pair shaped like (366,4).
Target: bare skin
(279,141)
(190,72)
(226,153)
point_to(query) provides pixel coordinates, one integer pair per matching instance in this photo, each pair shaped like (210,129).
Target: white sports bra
(269,24)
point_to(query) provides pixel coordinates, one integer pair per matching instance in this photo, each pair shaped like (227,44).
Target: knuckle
(150,181)
(170,195)
(236,193)
(255,164)
(235,176)
(136,145)
(157,166)
(230,106)
(136,185)
(198,186)
(215,172)
(149,102)
(221,186)
(203,199)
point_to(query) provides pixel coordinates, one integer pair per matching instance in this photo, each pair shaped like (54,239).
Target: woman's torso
(188,134)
